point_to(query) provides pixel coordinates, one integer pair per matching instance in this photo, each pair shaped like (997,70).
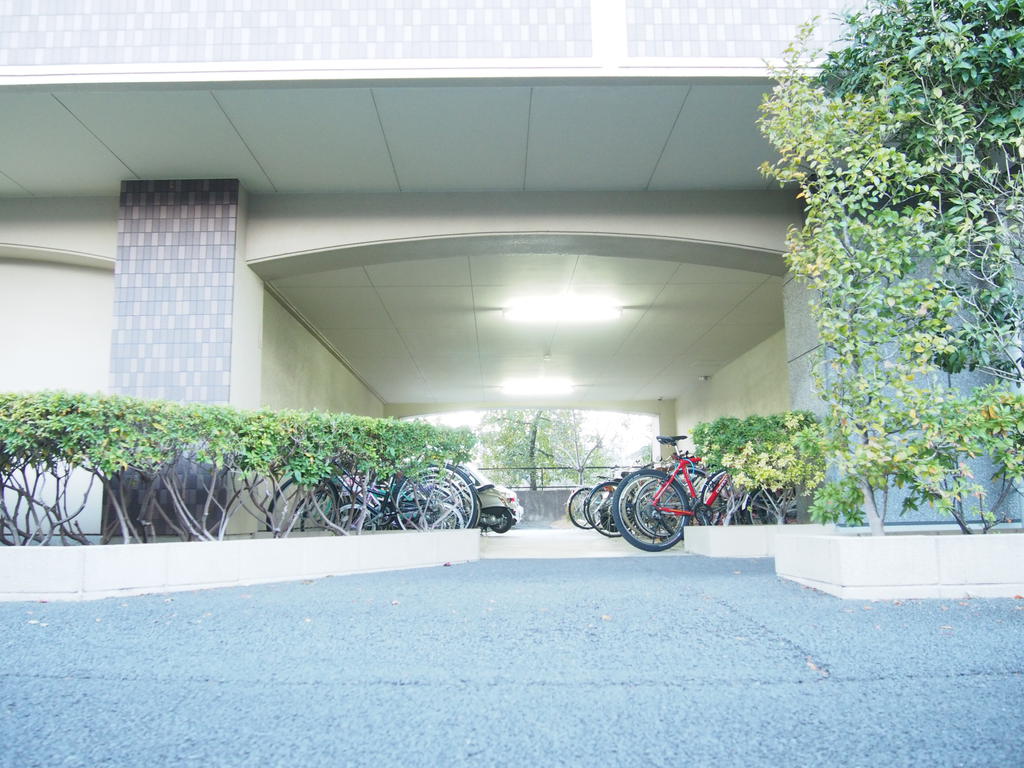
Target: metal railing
(553,477)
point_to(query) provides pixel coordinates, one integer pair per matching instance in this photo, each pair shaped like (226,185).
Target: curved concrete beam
(81,231)
(13,252)
(295,234)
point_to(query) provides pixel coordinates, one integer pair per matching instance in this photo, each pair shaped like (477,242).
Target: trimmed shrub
(781,455)
(186,469)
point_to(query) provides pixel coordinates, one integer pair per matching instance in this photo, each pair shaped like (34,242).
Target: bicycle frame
(684,462)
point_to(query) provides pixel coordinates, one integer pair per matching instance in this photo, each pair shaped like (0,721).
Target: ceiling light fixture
(566,308)
(542,385)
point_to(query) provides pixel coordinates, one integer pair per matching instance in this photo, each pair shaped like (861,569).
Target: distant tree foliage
(521,440)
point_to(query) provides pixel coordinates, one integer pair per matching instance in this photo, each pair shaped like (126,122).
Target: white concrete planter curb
(905,566)
(743,540)
(92,572)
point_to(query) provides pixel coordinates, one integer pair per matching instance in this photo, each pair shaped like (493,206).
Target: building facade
(331,204)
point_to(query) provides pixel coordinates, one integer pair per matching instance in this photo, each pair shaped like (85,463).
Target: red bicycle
(651,506)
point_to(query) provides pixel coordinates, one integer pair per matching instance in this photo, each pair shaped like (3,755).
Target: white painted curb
(905,566)
(92,572)
(743,540)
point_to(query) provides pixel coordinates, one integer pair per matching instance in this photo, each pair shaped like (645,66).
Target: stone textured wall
(803,347)
(173,290)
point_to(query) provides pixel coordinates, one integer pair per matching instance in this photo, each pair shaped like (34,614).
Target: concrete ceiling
(339,138)
(433,330)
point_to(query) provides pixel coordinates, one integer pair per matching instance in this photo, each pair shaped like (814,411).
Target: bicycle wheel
(439,498)
(322,509)
(294,506)
(636,517)
(716,494)
(468,490)
(598,508)
(574,508)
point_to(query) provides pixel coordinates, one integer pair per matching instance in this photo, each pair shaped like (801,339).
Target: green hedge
(187,468)
(781,454)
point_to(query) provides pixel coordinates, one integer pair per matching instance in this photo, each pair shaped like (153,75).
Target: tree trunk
(532,450)
(875,522)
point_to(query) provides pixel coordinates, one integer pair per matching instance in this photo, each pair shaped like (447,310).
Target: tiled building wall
(57,32)
(173,284)
(727,28)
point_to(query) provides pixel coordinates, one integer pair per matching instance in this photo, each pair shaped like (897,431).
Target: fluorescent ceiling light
(543,385)
(562,309)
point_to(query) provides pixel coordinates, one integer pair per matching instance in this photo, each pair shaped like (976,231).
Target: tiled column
(174,290)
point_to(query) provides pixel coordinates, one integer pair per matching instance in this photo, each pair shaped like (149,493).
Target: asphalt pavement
(632,661)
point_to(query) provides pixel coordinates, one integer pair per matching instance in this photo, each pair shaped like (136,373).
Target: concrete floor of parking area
(645,661)
(558,540)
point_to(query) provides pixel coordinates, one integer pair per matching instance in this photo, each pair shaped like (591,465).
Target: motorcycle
(499,506)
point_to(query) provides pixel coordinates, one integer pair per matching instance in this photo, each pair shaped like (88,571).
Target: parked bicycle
(597,507)
(651,507)
(440,498)
(574,507)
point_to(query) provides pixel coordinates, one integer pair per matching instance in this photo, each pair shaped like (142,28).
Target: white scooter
(499,506)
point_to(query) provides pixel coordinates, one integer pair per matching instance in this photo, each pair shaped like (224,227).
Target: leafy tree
(955,70)
(911,238)
(509,439)
(521,440)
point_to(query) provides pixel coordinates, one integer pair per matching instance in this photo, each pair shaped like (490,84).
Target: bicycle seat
(670,439)
(484,487)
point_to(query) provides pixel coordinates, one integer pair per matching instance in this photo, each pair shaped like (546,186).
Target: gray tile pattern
(57,32)
(726,28)
(173,284)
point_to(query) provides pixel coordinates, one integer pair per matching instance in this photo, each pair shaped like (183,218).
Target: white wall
(57,322)
(246,322)
(756,382)
(299,372)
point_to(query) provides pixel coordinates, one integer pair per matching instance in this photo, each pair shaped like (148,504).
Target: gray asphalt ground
(676,661)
